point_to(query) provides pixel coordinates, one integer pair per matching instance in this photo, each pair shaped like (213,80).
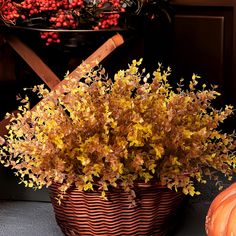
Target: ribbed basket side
(85,213)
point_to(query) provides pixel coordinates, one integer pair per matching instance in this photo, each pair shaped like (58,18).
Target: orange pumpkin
(221,216)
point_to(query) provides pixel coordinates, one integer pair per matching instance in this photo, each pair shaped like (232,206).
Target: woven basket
(85,213)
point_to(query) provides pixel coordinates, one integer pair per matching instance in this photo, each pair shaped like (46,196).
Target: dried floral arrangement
(134,128)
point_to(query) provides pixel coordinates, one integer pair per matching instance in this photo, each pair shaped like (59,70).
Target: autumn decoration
(51,18)
(134,128)
(56,15)
(220,219)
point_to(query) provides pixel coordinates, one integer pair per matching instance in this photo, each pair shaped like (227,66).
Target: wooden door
(204,43)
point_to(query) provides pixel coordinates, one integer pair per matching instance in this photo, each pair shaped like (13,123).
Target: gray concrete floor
(25,218)
(22,218)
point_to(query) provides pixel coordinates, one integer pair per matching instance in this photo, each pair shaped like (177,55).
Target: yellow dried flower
(134,128)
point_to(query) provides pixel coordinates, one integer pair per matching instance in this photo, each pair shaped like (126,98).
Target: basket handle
(94,59)
(33,60)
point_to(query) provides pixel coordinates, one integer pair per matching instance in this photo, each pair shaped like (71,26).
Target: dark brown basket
(85,213)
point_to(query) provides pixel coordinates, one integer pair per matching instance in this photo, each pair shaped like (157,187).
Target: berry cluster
(39,6)
(64,19)
(8,11)
(62,14)
(50,37)
(108,20)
